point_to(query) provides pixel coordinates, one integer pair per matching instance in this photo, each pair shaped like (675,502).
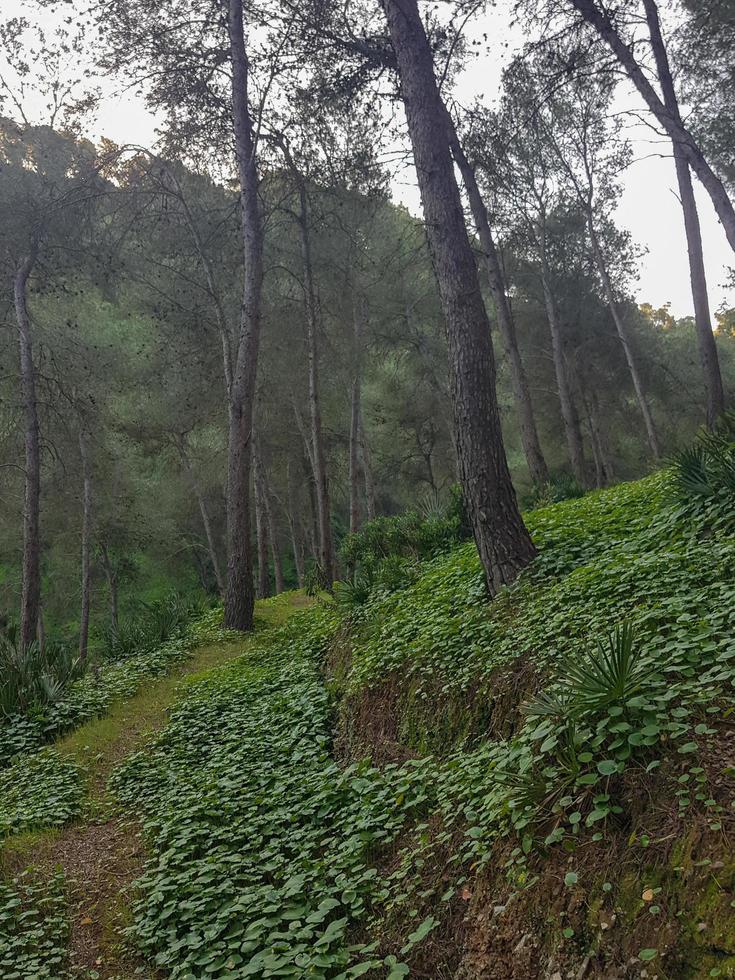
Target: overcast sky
(648,207)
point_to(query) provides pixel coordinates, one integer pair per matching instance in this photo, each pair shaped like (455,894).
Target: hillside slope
(432,785)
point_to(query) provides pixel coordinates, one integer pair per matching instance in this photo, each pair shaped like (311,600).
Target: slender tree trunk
(239,594)
(529,434)
(312,525)
(326,549)
(261,525)
(86,547)
(41,629)
(111,577)
(569,416)
(603,465)
(355,413)
(31,575)
(367,469)
(625,341)
(273,534)
(503,542)
(702,317)
(671,122)
(206,522)
(295,526)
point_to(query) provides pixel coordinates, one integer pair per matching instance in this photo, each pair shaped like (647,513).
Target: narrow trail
(101,853)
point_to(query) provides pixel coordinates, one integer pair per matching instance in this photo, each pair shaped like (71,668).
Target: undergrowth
(269,858)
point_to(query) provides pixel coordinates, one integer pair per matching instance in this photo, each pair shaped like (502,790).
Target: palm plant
(34,678)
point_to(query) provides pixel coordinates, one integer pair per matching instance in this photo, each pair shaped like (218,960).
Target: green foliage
(562,487)
(39,790)
(32,679)
(707,468)
(152,624)
(90,695)
(411,535)
(34,929)
(267,840)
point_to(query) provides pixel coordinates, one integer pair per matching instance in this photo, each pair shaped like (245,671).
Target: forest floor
(101,854)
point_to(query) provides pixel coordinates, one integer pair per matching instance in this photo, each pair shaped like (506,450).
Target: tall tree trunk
(355,412)
(111,577)
(569,416)
(671,122)
(295,526)
(503,542)
(261,525)
(366,465)
(702,317)
(604,474)
(41,629)
(239,594)
(86,546)
(624,338)
(206,522)
(312,525)
(31,575)
(529,434)
(326,548)
(272,534)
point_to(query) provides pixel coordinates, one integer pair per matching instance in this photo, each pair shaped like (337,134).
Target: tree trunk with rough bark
(206,522)
(31,572)
(319,458)
(674,127)
(111,576)
(355,413)
(296,528)
(86,546)
(367,470)
(261,525)
(527,421)
(273,534)
(239,594)
(702,316)
(622,331)
(570,419)
(503,542)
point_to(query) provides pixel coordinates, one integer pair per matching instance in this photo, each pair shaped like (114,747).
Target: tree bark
(261,526)
(295,526)
(111,577)
(31,573)
(367,470)
(624,338)
(206,522)
(702,316)
(673,125)
(86,547)
(503,542)
(321,479)
(355,412)
(272,533)
(239,595)
(529,434)
(570,419)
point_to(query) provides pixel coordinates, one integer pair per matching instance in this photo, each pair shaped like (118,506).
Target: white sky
(648,207)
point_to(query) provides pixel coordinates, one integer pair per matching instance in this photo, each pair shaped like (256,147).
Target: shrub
(34,678)
(563,486)
(417,534)
(707,468)
(154,624)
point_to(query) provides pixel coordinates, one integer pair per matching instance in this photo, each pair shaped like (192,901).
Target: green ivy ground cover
(262,844)
(269,860)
